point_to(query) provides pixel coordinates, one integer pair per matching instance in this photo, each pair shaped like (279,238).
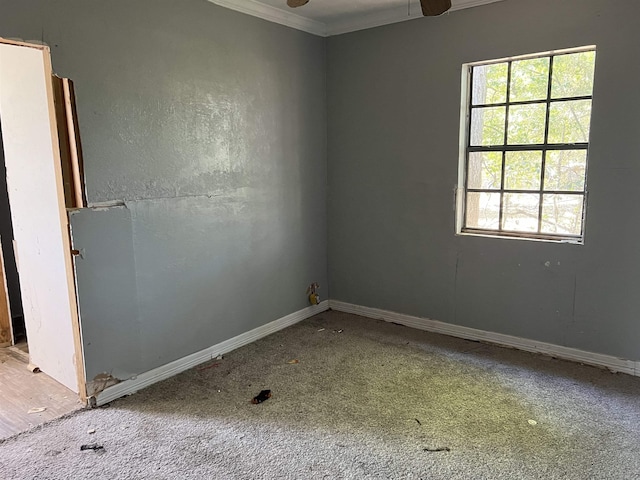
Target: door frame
(63,218)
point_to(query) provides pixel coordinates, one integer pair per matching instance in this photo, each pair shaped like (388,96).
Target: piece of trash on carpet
(440,449)
(321,330)
(338,331)
(91,446)
(207,367)
(532,422)
(293,362)
(419,423)
(91,430)
(219,357)
(37,410)
(261,397)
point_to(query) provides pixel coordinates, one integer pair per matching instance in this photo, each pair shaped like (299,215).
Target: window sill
(515,236)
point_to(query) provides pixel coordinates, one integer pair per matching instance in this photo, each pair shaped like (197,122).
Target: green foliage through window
(527,141)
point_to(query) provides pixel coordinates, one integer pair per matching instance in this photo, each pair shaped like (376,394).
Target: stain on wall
(208,129)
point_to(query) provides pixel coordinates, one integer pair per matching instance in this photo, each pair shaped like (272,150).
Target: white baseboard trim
(146,379)
(588,358)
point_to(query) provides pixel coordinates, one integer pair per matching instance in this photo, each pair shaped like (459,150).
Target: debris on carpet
(92,446)
(207,367)
(261,397)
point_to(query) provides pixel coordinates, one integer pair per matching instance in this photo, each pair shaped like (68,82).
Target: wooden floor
(21,391)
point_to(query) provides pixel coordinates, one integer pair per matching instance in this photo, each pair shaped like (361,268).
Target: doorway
(36,198)
(11,285)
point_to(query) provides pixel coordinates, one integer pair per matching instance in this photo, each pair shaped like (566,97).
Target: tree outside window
(527,138)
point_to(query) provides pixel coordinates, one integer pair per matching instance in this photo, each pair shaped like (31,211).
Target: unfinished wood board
(74,141)
(34,180)
(6,333)
(63,141)
(23,390)
(69,142)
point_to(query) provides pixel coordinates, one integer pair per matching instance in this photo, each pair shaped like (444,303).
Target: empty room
(320,239)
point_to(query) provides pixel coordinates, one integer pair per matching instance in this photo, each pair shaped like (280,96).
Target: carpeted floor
(367,400)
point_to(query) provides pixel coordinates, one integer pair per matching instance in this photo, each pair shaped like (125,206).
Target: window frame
(466,149)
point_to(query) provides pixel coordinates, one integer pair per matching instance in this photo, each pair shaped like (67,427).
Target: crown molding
(460,4)
(275,15)
(283,17)
(395,15)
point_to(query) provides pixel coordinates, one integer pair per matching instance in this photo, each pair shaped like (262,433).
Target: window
(525,139)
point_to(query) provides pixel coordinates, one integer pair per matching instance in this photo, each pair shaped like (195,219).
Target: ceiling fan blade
(297,3)
(432,8)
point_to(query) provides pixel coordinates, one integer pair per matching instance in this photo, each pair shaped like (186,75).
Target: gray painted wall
(209,126)
(393,123)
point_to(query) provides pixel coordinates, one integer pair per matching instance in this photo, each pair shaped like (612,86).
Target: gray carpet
(362,403)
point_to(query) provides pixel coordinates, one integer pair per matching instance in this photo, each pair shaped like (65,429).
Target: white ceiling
(333,17)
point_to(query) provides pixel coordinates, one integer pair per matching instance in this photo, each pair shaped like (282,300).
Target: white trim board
(146,379)
(362,22)
(573,354)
